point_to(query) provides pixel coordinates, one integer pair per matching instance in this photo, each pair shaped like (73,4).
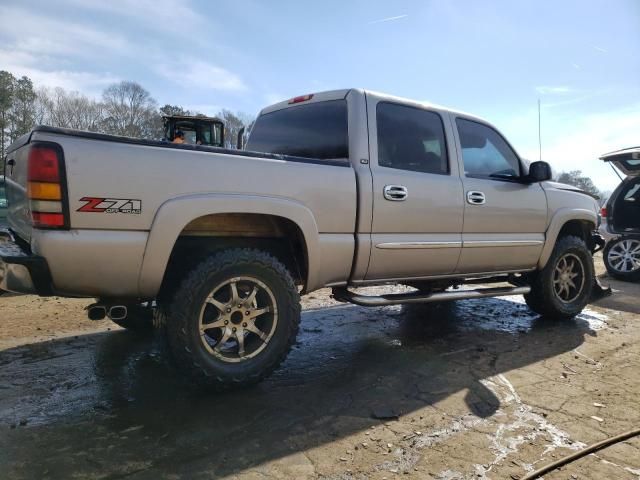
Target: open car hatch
(626,160)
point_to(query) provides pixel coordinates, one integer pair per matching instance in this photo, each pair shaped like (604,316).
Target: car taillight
(603,212)
(45,186)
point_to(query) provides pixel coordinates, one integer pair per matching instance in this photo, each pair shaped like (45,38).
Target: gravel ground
(471,389)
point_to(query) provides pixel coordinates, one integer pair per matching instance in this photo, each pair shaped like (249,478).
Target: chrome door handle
(476,198)
(395,193)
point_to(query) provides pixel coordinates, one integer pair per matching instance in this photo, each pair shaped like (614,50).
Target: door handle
(476,198)
(395,193)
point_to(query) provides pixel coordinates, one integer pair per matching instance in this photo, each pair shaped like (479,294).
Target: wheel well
(205,235)
(578,228)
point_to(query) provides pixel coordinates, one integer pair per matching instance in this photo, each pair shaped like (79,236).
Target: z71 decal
(110,205)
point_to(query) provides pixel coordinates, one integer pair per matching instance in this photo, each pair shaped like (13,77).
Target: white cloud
(192,72)
(588,137)
(45,36)
(22,63)
(553,90)
(45,50)
(167,15)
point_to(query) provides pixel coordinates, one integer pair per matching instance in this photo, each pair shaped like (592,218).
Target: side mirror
(539,172)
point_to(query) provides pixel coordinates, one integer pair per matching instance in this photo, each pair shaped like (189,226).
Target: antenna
(539,131)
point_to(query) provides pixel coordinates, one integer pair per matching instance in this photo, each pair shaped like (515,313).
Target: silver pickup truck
(338,189)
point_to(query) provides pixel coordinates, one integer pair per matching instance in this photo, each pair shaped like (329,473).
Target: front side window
(316,130)
(485,153)
(411,139)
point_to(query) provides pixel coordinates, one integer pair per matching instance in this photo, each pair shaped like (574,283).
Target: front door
(417,193)
(504,219)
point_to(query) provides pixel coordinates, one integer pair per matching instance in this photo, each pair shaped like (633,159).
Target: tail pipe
(99,311)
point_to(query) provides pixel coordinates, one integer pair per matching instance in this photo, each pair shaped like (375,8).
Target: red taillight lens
(301,98)
(47,220)
(45,187)
(603,212)
(44,165)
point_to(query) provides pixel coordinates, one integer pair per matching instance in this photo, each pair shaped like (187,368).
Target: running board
(343,295)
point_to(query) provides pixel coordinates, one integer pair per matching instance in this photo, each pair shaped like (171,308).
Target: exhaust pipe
(96,312)
(117,312)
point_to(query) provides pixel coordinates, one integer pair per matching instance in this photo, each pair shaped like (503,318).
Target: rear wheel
(622,258)
(563,287)
(234,318)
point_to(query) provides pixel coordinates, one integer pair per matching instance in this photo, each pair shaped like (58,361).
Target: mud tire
(203,368)
(543,299)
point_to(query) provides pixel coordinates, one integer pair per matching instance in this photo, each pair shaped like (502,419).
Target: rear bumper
(21,271)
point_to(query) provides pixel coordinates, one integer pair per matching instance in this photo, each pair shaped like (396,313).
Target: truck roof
(342,93)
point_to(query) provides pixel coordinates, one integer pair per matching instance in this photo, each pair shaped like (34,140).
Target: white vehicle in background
(620,217)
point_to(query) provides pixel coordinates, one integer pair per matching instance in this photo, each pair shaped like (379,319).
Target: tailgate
(16,164)
(627,160)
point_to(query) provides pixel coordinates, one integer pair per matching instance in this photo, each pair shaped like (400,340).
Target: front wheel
(622,258)
(563,287)
(234,318)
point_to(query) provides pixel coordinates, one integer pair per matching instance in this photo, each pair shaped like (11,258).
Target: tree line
(124,108)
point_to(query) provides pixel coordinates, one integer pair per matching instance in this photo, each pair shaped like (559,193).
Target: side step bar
(343,295)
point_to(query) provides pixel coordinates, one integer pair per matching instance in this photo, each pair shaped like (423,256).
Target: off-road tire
(630,276)
(139,319)
(203,368)
(543,299)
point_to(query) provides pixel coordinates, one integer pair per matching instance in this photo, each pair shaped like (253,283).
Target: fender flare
(559,219)
(175,214)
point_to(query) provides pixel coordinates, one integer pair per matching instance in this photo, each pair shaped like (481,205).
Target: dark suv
(621,217)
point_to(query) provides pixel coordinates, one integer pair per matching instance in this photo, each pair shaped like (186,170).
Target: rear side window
(316,130)
(411,139)
(484,152)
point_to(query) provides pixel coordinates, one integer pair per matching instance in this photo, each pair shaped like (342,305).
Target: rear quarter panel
(159,177)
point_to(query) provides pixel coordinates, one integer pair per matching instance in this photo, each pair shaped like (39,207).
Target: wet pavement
(365,393)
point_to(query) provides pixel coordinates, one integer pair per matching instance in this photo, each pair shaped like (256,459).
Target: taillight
(45,186)
(301,98)
(603,212)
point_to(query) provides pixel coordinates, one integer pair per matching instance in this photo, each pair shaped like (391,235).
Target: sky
(495,59)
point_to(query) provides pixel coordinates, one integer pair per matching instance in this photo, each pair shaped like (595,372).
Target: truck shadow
(625,296)
(116,399)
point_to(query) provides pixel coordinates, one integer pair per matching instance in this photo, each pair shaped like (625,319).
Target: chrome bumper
(20,270)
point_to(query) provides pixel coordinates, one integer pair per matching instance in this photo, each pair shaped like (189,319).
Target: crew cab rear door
(417,194)
(626,160)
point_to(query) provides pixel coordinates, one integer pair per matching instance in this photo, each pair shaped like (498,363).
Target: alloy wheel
(624,256)
(238,319)
(568,278)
